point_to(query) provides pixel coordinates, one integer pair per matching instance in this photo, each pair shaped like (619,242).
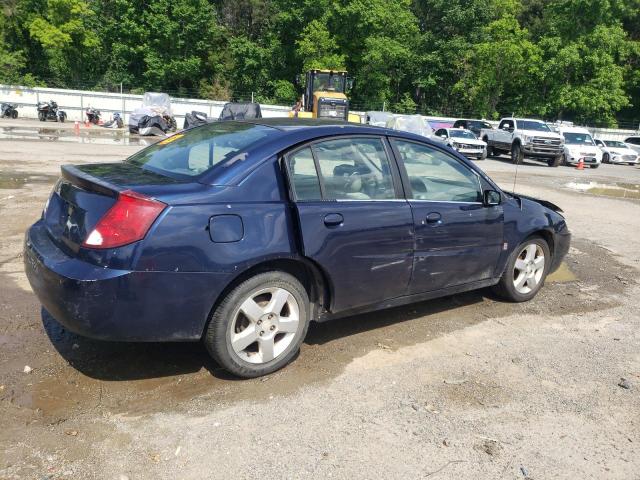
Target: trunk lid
(84,194)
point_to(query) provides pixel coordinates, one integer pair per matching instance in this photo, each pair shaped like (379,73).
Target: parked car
(238,234)
(634,143)
(475,126)
(524,137)
(615,151)
(578,144)
(463,141)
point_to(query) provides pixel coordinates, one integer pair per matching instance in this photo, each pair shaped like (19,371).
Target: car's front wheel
(517,155)
(259,326)
(526,271)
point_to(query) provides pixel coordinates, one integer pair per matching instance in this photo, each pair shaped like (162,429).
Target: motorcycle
(115,122)
(49,111)
(8,110)
(93,115)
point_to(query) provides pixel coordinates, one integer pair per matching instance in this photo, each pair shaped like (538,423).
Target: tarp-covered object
(150,125)
(156,106)
(158,101)
(194,119)
(240,111)
(379,119)
(410,123)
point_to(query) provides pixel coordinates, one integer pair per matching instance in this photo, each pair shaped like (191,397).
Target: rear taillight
(127,221)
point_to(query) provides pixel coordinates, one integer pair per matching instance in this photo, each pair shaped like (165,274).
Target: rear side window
(436,176)
(196,151)
(633,140)
(305,181)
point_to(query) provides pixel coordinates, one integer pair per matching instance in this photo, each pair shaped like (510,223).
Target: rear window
(196,151)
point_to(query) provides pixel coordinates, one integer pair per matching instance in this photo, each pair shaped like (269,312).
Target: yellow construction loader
(325,96)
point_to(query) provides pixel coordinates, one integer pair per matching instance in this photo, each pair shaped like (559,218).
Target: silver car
(615,151)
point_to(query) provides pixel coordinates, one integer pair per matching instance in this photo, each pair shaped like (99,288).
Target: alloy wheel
(264,325)
(528,269)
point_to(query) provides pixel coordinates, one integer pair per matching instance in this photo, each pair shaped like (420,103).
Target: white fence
(75,102)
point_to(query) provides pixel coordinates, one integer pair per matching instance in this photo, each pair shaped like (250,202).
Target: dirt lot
(462,387)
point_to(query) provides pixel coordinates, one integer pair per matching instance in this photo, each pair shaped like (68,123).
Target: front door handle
(333,219)
(434,218)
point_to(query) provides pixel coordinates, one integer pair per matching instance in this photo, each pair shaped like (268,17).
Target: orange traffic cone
(580,164)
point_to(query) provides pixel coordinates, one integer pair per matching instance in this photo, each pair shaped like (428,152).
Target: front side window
(436,176)
(506,123)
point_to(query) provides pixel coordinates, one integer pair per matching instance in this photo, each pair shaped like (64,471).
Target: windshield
(532,125)
(577,138)
(462,134)
(195,151)
(328,82)
(614,144)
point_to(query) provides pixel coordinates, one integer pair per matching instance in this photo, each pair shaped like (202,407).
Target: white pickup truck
(523,137)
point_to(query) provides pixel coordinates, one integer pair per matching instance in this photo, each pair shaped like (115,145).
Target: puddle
(619,190)
(93,135)
(15,181)
(563,274)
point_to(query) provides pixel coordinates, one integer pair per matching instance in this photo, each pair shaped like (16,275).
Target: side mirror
(443,137)
(491,198)
(349,84)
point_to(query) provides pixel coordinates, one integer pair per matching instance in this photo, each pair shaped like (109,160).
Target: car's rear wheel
(605,158)
(526,271)
(259,326)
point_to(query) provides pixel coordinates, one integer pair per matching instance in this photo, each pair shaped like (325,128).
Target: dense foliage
(570,59)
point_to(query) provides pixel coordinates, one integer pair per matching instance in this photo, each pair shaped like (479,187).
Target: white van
(578,143)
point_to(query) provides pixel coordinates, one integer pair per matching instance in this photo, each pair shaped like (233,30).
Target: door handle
(333,219)
(433,218)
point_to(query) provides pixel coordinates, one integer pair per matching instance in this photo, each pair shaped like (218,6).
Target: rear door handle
(433,218)
(333,219)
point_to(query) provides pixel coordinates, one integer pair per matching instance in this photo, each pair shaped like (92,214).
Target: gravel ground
(460,387)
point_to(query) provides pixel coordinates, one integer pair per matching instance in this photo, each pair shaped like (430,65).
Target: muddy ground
(461,387)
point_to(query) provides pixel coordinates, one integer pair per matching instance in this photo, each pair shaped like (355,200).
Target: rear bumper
(120,305)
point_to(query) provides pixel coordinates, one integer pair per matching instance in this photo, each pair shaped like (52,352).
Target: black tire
(42,117)
(62,118)
(605,158)
(554,161)
(490,151)
(516,154)
(595,166)
(505,288)
(14,114)
(216,337)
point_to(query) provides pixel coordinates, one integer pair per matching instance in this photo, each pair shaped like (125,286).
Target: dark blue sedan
(240,233)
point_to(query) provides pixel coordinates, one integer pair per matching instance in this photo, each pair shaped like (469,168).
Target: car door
(354,222)
(457,239)
(504,135)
